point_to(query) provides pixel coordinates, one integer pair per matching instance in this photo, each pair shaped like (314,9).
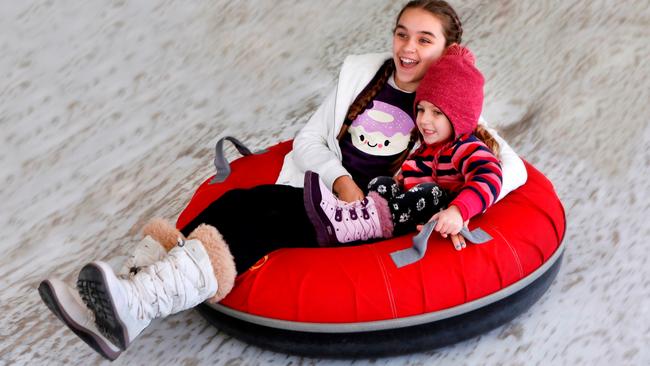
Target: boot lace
(156,290)
(359,232)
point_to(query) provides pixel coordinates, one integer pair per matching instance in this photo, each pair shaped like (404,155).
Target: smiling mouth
(407,62)
(371,145)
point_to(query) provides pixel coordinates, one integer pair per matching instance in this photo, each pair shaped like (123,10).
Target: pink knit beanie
(455,86)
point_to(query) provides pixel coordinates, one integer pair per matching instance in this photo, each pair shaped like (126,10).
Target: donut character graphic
(382,130)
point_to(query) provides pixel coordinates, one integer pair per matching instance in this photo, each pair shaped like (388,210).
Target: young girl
(450,159)
(371,88)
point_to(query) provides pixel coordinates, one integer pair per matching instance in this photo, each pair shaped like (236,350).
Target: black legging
(412,207)
(257,221)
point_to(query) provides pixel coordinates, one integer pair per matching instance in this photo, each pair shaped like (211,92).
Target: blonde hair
(484,135)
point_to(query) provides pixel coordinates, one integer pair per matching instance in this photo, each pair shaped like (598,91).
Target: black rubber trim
(391,342)
(50,299)
(95,293)
(312,197)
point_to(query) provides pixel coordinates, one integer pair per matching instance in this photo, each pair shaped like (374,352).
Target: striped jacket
(465,167)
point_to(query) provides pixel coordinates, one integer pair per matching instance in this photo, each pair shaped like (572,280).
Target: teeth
(408,61)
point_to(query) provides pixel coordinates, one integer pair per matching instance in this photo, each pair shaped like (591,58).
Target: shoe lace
(152,295)
(351,208)
(142,255)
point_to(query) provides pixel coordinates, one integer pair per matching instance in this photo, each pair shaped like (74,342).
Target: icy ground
(109,110)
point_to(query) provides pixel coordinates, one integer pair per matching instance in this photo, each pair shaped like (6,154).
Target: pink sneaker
(338,222)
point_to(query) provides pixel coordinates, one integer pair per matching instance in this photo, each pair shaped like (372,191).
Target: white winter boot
(65,303)
(124,307)
(160,236)
(147,251)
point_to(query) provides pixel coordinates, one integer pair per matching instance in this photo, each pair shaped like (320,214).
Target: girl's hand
(449,220)
(346,189)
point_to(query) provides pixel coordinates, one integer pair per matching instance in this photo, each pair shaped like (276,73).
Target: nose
(410,45)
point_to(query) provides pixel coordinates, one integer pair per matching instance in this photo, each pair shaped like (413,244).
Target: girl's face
(433,125)
(417,42)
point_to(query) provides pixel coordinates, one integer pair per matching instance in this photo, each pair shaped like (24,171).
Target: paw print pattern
(394,189)
(421,204)
(437,193)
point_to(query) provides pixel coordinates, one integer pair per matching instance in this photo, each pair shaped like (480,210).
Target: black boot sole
(312,197)
(48,295)
(95,293)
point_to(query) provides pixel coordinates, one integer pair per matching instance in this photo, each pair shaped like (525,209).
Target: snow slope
(109,111)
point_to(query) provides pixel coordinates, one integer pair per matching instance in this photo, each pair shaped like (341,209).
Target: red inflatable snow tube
(353,301)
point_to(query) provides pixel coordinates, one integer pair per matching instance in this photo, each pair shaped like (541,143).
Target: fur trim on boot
(223,263)
(163,232)
(385,217)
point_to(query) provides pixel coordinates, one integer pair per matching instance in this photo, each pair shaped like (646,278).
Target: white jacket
(316,148)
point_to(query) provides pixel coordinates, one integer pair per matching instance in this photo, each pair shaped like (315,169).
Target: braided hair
(368,94)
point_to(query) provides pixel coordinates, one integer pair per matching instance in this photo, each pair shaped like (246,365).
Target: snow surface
(109,111)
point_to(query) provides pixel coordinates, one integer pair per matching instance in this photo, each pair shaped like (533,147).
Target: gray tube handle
(413,254)
(221,164)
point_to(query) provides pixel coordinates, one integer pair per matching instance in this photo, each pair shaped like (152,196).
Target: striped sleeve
(418,168)
(482,174)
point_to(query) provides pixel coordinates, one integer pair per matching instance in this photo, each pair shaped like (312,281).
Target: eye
(425,41)
(386,143)
(361,137)
(401,35)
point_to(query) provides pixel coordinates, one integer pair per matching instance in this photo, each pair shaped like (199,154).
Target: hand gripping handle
(413,254)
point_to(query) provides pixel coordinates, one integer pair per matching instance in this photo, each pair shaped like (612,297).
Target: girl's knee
(386,187)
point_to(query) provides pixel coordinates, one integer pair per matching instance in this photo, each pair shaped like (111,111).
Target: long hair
(487,138)
(369,93)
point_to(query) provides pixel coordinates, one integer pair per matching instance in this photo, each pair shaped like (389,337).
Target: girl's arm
(311,150)
(482,174)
